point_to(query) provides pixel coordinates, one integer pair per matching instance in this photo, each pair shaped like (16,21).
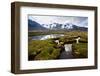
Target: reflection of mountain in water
(44,37)
(33,25)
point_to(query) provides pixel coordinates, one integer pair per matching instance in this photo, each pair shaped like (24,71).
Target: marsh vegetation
(47,49)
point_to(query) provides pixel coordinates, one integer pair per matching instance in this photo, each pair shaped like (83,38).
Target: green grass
(42,50)
(71,36)
(47,49)
(80,50)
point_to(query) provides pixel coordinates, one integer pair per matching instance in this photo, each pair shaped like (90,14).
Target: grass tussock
(80,50)
(43,50)
(48,49)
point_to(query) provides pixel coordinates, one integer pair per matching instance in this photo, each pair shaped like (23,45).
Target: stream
(67,53)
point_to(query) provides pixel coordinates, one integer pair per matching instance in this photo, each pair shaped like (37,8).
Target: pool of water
(44,37)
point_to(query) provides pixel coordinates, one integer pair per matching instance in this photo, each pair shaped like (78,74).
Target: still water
(44,37)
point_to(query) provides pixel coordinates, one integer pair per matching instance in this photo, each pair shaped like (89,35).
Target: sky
(41,19)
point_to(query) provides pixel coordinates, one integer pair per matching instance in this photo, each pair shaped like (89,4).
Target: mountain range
(33,25)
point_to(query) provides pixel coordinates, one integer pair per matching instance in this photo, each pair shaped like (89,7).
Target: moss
(42,50)
(80,50)
(71,36)
(48,49)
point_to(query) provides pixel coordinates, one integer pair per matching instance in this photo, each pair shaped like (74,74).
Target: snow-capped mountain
(54,26)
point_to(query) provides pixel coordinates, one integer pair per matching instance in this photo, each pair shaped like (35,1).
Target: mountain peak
(54,26)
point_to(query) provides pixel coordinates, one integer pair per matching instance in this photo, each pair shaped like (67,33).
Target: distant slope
(79,28)
(32,25)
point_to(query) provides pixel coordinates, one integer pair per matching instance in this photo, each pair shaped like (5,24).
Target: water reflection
(44,37)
